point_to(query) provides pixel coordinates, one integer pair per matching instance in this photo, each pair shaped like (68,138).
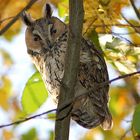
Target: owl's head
(42,33)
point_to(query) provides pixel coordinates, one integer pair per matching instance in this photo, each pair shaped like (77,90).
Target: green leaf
(63,8)
(51,135)
(113,46)
(93,36)
(61,11)
(136,119)
(34,94)
(30,135)
(52,116)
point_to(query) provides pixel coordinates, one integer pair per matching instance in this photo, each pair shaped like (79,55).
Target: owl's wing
(93,71)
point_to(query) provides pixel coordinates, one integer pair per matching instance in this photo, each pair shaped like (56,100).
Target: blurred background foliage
(114,26)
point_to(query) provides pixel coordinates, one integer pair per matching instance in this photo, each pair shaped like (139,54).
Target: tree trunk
(71,69)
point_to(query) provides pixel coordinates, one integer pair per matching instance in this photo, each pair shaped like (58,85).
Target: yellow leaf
(6,58)
(8,135)
(10,8)
(5,91)
(135,39)
(120,101)
(4,100)
(102,14)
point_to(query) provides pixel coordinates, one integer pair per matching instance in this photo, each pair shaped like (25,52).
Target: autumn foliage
(112,26)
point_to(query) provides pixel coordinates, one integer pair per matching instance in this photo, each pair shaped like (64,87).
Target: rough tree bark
(76,13)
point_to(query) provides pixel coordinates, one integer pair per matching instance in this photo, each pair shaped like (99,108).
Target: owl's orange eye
(53,31)
(37,38)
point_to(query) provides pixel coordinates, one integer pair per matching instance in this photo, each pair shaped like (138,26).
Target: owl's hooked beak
(48,44)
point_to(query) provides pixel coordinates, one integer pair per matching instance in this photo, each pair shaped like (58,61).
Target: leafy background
(113,26)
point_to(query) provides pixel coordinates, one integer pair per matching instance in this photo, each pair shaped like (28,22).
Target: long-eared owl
(46,40)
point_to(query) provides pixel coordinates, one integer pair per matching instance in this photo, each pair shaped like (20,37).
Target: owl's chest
(53,69)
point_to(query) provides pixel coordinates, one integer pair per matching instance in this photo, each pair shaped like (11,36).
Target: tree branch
(136,28)
(71,68)
(2,31)
(68,102)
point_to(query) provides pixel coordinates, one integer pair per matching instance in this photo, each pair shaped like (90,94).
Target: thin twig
(26,119)
(3,20)
(109,25)
(118,25)
(2,31)
(127,121)
(130,24)
(125,39)
(126,33)
(90,26)
(124,76)
(136,28)
(135,8)
(126,132)
(117,78)
(65,104)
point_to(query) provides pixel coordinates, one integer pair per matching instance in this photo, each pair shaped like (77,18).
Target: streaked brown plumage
(46,40)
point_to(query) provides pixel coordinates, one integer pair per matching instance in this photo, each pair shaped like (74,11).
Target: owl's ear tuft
(47,11)
(27,19)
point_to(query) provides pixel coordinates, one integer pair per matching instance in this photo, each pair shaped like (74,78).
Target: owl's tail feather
(107,124)
(86,114)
